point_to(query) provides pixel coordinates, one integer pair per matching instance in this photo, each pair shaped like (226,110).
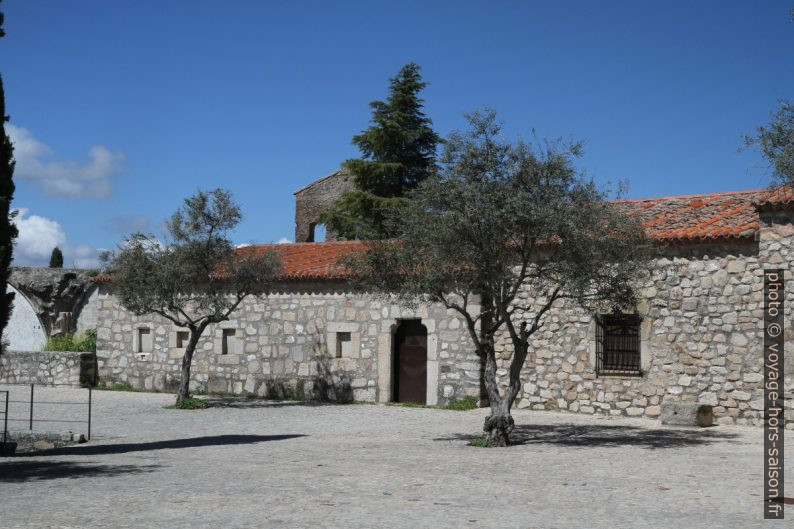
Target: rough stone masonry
(700,307)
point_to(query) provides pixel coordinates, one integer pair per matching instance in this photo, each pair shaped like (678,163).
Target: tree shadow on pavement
(22,471)
(191,442)
(612,436)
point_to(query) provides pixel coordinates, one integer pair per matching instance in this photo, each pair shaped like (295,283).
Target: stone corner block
(686,414)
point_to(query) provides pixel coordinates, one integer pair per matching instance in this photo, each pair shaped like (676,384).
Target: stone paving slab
(266,464)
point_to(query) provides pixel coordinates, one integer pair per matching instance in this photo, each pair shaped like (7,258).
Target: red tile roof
(710,217)
(781,196)
(310,260)
(693,218)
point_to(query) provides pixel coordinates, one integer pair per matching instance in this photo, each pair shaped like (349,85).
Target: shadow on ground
(21,471)
(191,442)
(243,403)
(604,435)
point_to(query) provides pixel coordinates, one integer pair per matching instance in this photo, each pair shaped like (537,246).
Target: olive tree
(506,231)
(196,279)
(776,142)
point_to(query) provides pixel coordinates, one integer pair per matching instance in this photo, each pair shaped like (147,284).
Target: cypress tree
(8,230)
(56,258)
(398,152)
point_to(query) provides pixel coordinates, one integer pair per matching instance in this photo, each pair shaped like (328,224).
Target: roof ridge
(306,244)
(682,197)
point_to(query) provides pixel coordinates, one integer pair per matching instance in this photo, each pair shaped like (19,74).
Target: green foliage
(198,278)
(56,258)
(464,404)
(116,386)
(482,442)
(362,215)
(188,403)
(502,218)
(776,142)
(8,231)
(406,404)
(398,153)
(83,343)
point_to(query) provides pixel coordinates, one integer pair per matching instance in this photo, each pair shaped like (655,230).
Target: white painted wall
(24,331)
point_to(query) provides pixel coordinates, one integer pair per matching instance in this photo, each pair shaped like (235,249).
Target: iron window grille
(618,345)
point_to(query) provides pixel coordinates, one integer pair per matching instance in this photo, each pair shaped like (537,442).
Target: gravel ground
(269,464)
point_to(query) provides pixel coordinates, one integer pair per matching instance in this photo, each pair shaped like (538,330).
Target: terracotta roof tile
(710,216)
(780,196)
(310,260)
(686,218)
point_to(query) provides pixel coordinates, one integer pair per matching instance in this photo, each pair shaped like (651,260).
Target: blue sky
(122,109)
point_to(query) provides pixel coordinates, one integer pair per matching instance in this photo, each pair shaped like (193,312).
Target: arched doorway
(410,362)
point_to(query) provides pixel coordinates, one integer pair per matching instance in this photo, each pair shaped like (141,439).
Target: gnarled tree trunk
(500,424)
(187,361)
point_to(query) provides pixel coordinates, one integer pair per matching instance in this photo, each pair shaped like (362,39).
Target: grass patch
(116,386)
(481,441)
(465,404)
(78,343)
(189,403)
(407,405)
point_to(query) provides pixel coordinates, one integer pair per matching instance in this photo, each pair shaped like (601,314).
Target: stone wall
(87,311)
(47,367)
(312,200)
(701,341)
(285,344)
(701,337)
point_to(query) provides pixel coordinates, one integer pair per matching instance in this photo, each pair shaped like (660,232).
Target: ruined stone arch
(25,330)
(58,296)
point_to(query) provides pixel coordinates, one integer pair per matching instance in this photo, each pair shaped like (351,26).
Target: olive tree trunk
(500,424)
(187,362)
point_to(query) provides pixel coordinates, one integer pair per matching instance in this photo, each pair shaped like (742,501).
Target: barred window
(618,344)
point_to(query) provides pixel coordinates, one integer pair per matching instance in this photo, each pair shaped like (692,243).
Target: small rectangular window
(144,340)
(618,344)
(182,338)
(230,343)
(343,346)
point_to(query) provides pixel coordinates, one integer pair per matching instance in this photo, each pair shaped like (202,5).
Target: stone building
(312,336)
(696,334)
(312,200)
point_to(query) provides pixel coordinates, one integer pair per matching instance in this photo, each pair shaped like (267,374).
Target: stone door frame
(386,362)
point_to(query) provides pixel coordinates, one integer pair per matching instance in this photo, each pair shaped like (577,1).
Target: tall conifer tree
(56,258)
(8,230)
(398,152)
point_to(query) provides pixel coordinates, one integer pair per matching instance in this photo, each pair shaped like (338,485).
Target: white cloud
(68,178)
(283,240)
(39,235)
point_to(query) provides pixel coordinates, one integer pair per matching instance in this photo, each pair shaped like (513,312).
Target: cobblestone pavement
(260,464)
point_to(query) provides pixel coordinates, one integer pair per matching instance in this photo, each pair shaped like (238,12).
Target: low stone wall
(23,442)
(47,367)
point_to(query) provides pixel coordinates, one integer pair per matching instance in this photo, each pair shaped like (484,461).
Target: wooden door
(410,362)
